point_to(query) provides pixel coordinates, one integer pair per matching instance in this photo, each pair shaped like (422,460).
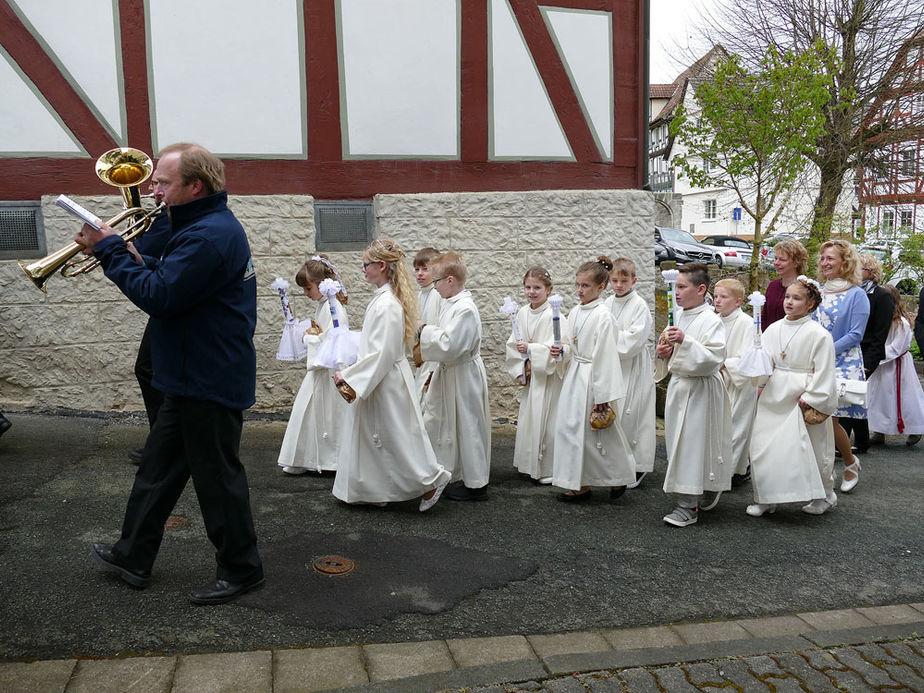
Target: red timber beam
(135,74)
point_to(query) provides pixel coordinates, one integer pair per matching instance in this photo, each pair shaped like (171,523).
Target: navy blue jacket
(201,295)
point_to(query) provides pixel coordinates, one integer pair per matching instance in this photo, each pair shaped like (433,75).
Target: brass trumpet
(124,168)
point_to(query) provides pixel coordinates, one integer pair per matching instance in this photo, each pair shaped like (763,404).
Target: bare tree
(866,36)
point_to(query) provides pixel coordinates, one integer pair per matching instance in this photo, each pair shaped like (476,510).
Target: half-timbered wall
(509,129)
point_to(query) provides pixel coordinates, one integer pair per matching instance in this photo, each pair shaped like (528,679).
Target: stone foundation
(75,347)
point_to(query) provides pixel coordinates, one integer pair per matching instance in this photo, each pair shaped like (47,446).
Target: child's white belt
(460,362)
(794,370)
(581,359)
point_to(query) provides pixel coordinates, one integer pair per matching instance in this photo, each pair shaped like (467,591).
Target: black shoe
(741,479)
(571,497)
(461,492)
(135,456)
(5,424)
(106,558)
(617,491)
(222,591)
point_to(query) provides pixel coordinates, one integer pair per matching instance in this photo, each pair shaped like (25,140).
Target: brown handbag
(813,417)
(602,419)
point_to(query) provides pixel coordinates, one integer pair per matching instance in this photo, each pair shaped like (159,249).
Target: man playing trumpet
(201,296)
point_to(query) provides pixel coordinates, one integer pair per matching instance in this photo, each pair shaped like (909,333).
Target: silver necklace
(782,349)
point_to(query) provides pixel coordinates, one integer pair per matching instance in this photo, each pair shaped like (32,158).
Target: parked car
(683,243)
(897,273)
(766,247)
(735,252)
(665,253)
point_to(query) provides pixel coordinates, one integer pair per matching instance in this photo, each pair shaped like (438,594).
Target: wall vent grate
(346,225)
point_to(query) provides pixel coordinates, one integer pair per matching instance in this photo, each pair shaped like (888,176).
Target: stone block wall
(74,348)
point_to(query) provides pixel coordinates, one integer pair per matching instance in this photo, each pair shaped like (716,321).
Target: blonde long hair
(388,251)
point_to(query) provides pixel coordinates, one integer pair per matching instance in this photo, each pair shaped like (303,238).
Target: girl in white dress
(385,454)
(585,456)
(312,435)
(535,441)
(634,330)
(790,458)
(895,398)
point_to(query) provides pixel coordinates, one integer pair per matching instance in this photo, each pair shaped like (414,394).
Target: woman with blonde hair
(873,344)
(790,258)
(844,311)
(385,454)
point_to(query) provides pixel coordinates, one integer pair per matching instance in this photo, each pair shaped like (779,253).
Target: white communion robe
(385,454)
(584,456)
(430,305)
(634,329)
(697,411)
(742,392)
(456,412)
(790,460)
(312,438)
(534,449)
(885,385)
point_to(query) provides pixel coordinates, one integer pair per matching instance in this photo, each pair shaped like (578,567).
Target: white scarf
(833,286)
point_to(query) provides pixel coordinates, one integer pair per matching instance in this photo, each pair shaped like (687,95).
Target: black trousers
(144,371)
(199,439)
(860,428)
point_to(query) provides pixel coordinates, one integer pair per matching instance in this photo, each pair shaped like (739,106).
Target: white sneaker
(295,471)
(758,509)
(545,481)
(820,506)
(682,517)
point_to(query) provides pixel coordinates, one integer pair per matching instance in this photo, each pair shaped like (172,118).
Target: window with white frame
(888,220)
(707,166)
(709,209)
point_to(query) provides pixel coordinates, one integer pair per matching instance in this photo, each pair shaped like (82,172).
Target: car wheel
(719,260)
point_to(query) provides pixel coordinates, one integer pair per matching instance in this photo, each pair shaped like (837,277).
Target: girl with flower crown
(311,441)
(791,458)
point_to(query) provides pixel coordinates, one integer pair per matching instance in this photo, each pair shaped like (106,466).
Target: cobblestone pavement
(890,666)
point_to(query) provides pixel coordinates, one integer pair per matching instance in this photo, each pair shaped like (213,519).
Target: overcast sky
(670,20)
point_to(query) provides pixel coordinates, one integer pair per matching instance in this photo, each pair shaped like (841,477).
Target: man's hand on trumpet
(88,237)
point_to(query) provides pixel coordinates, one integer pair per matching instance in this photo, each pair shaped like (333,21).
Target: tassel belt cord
(898,393)
(793,370)
(460,362)
(581,359)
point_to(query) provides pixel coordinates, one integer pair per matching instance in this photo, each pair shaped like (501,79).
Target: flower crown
(809,280)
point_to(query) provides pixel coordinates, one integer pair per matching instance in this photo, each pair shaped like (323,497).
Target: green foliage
(915,350)
(755,129)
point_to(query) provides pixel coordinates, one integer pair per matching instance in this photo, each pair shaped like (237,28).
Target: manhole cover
(175,522)
(334,565)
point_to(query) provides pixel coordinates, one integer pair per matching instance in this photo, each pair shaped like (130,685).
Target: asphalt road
(519,563)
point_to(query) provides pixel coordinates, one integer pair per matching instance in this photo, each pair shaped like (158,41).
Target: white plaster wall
(75,347)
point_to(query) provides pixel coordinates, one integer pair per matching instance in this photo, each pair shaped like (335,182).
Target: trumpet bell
(124,167)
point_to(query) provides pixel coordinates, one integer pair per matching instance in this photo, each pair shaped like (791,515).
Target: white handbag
(851,392)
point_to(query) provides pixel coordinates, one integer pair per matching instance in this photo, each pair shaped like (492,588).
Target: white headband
(329,264)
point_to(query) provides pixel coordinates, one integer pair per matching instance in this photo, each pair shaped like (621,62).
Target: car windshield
(735,243)
(677,235)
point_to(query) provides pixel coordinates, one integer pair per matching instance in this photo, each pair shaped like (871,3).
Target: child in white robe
(535,439)
(586,456)
(430,303)
(455,406)
(634,329)
(894,396)
(312,436)
(697,410)
(385,454)
(742,393)
(792,461)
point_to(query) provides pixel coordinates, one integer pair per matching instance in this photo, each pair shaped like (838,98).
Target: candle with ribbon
(555,301)
(755,361)
(670,278)
(291,347)
(509,308)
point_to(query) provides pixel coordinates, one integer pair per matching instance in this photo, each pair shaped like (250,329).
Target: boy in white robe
(697,411)
(634,329)
(742,393)
(430,303)
(455,406)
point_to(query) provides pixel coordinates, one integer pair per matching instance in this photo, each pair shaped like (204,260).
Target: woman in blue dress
(844,311)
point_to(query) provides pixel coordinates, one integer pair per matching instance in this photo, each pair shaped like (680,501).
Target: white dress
(697,412)
(742,392)
(385,454)
(790,460)
(430,305)
(885,384)
(456,412)
(634,329)
(312,437)
(534,449)
(584,456)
